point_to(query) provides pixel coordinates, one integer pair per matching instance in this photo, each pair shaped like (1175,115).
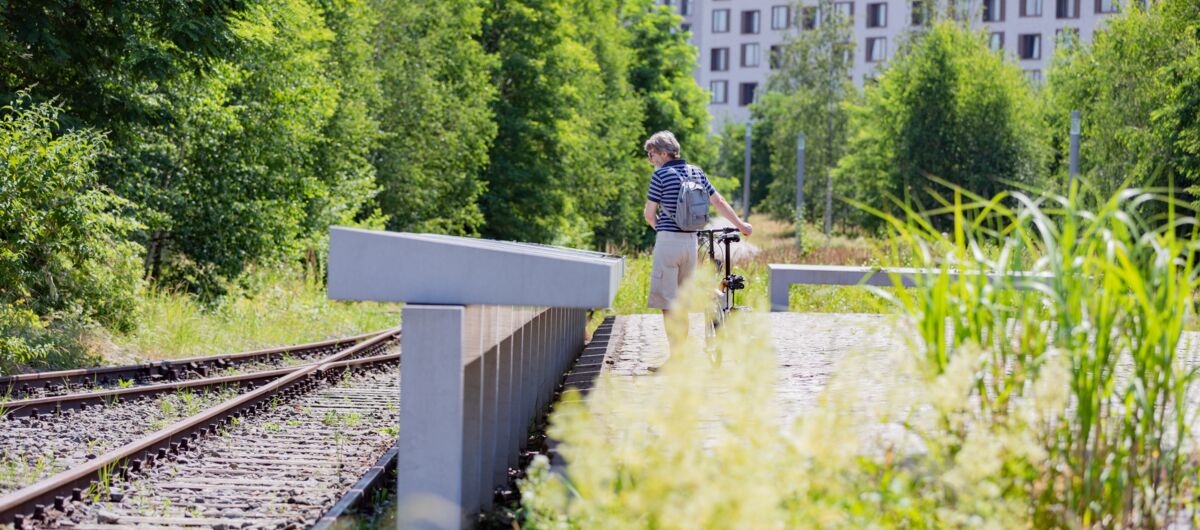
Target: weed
(102,487)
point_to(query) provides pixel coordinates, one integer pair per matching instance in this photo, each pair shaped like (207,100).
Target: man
(674,249)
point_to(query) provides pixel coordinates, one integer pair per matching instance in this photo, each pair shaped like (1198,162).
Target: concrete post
(490,373)
(430,461)
(504,397)
(1074,166)
(746,179)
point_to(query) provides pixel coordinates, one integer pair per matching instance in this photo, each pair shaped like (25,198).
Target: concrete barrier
(781,277)
(489,329)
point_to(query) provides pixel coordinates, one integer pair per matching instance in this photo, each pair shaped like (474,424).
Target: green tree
(256,154)
(662,74)
(436,116)
(1136,86)
(98,55)
(607,174)
(568,124)
(63,244)
(806,94)
(946,107)
(343,158)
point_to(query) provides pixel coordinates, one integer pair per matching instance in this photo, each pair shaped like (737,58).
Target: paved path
(808,348)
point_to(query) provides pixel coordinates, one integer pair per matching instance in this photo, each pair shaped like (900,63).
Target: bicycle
(725,299)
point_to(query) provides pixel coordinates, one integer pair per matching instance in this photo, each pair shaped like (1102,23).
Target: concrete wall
(473,380)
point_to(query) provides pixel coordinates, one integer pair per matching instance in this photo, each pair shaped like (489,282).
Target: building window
(775,57)
(719,59)
(1030,46)
(720,91)
(844,9)
(1034,76)
(876,49)
(750,54)
(877,15)
(720,22)
(808,17)
(996,41)
(685,27)
(919,13)
(781,17)
(685,7)
(750,20)
(746,93)
(1067,8)
(1031,8)
(993,10)
(1106,6)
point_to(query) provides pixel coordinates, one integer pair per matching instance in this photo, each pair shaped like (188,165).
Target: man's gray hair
(663,142)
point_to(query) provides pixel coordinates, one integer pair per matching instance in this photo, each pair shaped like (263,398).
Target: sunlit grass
(285,307)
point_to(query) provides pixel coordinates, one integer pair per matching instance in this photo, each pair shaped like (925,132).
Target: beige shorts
(674,261)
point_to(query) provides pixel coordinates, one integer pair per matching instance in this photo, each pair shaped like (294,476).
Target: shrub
(947,107)
(62,239)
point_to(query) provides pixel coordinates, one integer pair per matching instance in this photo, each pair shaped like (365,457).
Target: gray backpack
(691,207)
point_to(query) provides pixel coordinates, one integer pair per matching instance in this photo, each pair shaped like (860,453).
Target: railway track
(274,451)
(61,382)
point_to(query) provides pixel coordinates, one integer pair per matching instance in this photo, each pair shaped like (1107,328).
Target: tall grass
(1055,401)
(1112,306)
(273,307)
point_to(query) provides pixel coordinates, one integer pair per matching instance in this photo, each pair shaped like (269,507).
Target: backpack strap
(687,174)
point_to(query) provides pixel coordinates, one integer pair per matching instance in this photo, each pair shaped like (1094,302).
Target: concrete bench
(781,277)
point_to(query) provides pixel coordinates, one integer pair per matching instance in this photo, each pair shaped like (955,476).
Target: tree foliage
(947,107)
(661,72)
(1137,87)
(436,115)
(63,244)
(563,164)
(806,95)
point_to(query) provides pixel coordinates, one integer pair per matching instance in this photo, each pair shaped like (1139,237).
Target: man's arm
(650,212)
(727,212)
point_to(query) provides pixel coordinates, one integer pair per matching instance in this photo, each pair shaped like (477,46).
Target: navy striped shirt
(664,189)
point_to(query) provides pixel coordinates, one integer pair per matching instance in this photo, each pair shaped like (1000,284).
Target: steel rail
(166,369)
(56,404)
(34,500)
(383,469)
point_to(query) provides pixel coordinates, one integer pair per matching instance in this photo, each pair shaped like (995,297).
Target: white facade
(734,51)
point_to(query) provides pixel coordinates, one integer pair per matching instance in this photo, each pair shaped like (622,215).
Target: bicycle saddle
(732,238)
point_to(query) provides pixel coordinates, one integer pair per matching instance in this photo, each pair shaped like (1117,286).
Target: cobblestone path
(808,348)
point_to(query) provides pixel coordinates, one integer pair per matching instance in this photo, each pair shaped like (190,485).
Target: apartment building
(736,39)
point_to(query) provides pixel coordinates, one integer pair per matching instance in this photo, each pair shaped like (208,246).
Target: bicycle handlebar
(724,230)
